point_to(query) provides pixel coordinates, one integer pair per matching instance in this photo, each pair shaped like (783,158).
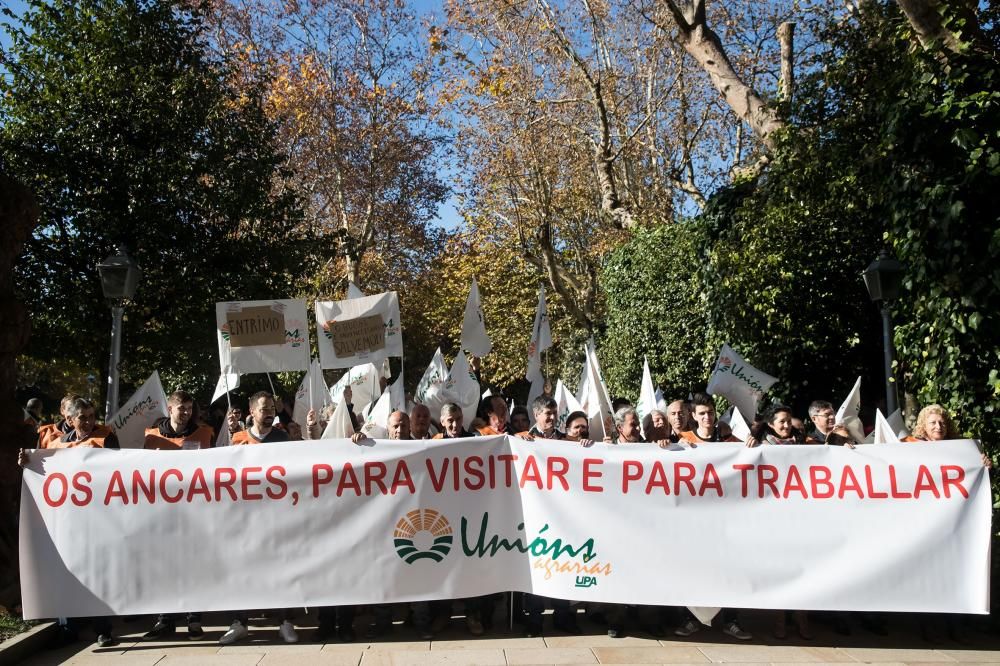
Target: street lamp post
(119,277)
(884,277)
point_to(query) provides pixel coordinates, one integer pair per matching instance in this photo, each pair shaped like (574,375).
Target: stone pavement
(978,643)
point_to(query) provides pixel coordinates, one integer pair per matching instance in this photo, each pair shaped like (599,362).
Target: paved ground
(903,645)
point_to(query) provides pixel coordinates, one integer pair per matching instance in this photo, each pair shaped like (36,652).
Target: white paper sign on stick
(347,330)
(141,411)
(262,336)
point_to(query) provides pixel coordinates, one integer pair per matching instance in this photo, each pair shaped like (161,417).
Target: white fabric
(227,382)
(848,414)
(536,389)
(883,433)
(377,420)
(300,542)
(363,380)
(566,404)
(741,383)
(474,336)
(397,395)
(141,411)
(462,388)
(312,394)
(647,394)
(432,383)
(353,291)
(597,404)
(385,305)
(340,423)
(897,424)
(292,355)
(541,339)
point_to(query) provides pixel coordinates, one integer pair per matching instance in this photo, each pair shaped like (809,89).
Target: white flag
(377,420)
(474,337)
(353,291)
(566,404)
(741,383)
(397,395)
(661,403)
(462,388)
(883,433)
(312,394)
(647,394)
(536,389)
(223,438)
(598,403)
(738,424)
(363,380)
(340,423)
(432,383)
(228,381)
(848,414)
(143,409)
(541,339)
(897,424)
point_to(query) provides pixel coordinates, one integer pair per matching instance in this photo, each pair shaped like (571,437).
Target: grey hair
(622,413)
(450,409)
(78,406)
(817,406)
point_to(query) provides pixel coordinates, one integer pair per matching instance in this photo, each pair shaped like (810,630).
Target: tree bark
(927,18)
(18,217)
(706,48)
(786,86)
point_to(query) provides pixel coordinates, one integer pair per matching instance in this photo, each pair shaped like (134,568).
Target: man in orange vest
(53,431)
(494,411)
(82,416)
(261,431)
(707,427)
(179,430)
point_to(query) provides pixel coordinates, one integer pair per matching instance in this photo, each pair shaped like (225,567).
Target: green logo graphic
(422,533)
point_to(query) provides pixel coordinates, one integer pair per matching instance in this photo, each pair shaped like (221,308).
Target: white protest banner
(474,336)
(313,394)
(348,334)
(418,520)
(848,414)
(364,384)
(141,411)
(566,404)
(262,336)
(541,339)
(647,394)
(740,383)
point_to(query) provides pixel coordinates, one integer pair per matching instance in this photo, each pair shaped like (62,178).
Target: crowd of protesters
(682,424)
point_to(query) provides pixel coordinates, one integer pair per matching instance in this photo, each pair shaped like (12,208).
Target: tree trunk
(706,48)
(18,217)
(786,86)
(927,18)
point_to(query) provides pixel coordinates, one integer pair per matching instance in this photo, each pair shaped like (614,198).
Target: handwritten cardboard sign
(255,326)
(359,335)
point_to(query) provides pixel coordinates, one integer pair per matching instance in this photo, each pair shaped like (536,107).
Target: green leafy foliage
(128,132)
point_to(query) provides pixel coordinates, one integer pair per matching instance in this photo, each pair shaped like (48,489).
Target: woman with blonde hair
(935,424)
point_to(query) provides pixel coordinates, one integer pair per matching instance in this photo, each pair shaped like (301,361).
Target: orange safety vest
(691,437)
(48,432)
(243,437)
(911,438)
(203,435)
(95,439)
(486,431)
